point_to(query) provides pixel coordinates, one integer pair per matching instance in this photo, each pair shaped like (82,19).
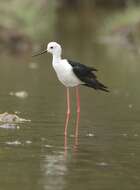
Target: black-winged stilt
(72,74)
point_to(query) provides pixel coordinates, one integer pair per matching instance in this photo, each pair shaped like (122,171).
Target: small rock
(125,135)
(14,143)
(11,118)
(48,146)
(33,65)
(102,164)
(136,135)
(90,135)
(20,94)
(8,126)
(130,106)
(28,142)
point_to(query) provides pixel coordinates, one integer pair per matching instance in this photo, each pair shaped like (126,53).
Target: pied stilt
(72,74)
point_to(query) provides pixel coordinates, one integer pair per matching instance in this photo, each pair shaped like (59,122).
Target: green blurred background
(24,23)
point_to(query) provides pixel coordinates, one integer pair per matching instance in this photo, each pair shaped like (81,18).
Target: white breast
(65,73)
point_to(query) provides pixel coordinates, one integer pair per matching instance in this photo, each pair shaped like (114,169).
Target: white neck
(56,58)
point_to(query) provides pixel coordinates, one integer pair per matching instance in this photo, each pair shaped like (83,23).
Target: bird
(72,74)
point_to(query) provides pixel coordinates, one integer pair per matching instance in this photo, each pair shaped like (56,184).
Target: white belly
(65,74)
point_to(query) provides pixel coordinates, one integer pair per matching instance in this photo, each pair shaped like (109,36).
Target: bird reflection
(54,169)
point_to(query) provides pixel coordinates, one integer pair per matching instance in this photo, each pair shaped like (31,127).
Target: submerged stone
(20,94)
(11,118)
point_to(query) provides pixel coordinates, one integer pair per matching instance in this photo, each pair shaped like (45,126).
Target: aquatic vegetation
(31,17)
(122,20)
(122,29)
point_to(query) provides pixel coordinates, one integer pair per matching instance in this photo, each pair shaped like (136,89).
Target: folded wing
(86,74)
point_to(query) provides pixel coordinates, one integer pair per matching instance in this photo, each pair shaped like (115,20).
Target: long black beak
(40,53)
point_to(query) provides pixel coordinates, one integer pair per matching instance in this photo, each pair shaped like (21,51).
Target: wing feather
(86,74)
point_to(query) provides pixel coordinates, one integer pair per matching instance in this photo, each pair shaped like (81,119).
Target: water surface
(106,153)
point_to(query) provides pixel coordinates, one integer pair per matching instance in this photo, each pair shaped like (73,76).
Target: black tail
(97,85)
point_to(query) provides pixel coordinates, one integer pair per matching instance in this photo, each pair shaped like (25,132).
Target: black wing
(79,66)
(86,74)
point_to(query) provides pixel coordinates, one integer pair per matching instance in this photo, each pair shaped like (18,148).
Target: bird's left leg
(78,110)
(68,112)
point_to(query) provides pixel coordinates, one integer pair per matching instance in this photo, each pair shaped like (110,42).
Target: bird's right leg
(68,112)
(78,110)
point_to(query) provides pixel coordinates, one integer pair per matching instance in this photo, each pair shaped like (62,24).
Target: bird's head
(53,47)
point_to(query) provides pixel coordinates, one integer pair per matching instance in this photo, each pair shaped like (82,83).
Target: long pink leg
(68,112)
(78,110)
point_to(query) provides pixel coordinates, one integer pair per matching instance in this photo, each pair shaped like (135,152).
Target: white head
(54,48)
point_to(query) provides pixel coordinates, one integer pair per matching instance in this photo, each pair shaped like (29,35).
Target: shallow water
(106,153)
